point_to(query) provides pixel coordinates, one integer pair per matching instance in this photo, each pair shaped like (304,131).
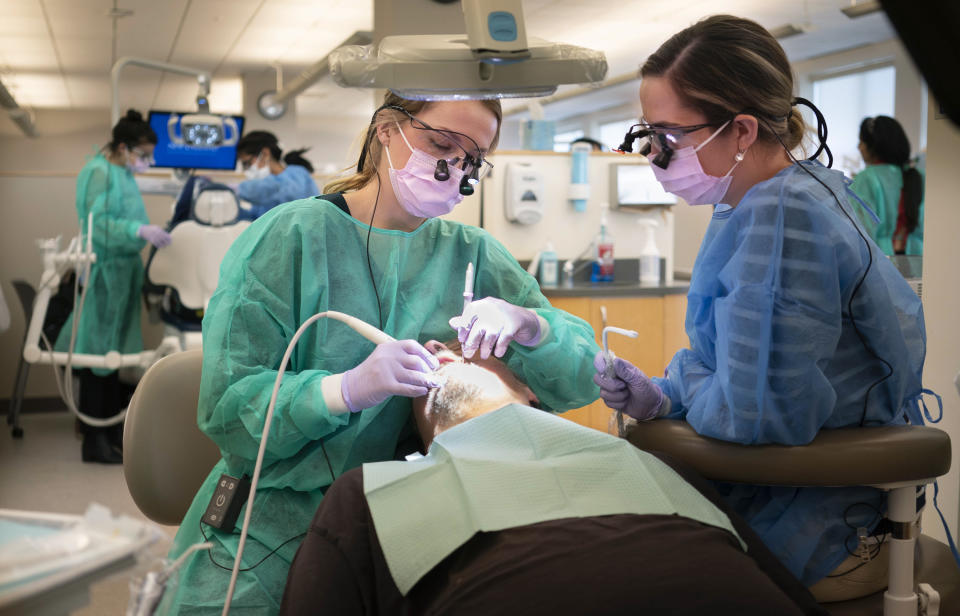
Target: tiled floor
(43,472)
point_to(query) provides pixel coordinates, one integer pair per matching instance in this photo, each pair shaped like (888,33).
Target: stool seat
(841,457)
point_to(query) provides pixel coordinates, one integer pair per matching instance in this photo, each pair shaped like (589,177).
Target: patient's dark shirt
(615,564)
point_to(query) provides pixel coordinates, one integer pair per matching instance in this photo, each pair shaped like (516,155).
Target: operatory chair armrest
(842,457)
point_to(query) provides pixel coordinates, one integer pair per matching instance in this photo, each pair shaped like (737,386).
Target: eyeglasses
(445,145)
(147,158)
(246,163)
(666,139)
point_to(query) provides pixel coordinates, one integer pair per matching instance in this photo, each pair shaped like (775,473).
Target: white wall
(909,95)
(569,231)
(941,300)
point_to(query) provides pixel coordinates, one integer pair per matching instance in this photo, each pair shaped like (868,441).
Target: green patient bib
(513,467)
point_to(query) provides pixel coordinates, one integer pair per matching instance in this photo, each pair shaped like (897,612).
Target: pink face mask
(418,192)
(685,177)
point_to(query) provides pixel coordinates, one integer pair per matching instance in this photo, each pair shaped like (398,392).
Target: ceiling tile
(41,90)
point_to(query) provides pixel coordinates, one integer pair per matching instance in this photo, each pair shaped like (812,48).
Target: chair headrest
(215,205)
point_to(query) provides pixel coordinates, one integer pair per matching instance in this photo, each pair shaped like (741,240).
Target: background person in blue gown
(272,177)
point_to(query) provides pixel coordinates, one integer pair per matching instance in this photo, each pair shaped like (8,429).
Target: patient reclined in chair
(516,510)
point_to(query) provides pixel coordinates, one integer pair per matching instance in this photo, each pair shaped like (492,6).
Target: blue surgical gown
(291,184)
(774,353)
(308,257)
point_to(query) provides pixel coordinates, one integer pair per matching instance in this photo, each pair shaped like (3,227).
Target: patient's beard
(467,391)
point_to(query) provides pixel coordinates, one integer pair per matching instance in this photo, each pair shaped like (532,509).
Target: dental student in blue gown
(797,321)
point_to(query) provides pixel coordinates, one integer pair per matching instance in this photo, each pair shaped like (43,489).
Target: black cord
(250,568)
(376,293)
(877,517)
(853,321)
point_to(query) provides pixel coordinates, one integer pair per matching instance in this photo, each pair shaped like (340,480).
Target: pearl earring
(738,157)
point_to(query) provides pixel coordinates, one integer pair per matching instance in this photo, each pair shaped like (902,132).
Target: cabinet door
(580,307)
(674,335)
(641,314)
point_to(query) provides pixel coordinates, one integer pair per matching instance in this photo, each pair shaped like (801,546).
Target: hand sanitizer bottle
(649,255)
(603,258)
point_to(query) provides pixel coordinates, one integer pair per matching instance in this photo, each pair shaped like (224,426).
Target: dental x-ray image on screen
(196,140)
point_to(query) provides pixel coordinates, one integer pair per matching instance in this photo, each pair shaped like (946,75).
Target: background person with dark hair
(891,186)
(272,178)
(110,320)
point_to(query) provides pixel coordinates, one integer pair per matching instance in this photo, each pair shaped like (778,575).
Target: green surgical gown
(307,257)
(110,320)
(880,187)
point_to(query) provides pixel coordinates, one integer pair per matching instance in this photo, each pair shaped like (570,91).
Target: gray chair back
(165,455)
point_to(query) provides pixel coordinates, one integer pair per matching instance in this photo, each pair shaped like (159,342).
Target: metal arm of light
(203,81)
(19,115)
(273,105)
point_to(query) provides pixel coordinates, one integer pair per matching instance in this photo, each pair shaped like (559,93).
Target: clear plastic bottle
(649,254)
(603,257)
(549,270)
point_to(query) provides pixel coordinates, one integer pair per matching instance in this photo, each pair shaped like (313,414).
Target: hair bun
(133,115)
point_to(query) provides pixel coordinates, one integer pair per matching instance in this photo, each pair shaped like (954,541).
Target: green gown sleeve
(249,323)
(109,229)
(559,370)
(867,187)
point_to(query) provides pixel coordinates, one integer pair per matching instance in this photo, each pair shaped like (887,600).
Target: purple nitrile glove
(490,324)
(154,234)
(628,390)
(396,368)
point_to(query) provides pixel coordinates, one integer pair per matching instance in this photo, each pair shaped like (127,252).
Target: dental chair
(181,278)
(897,459)
(165,455)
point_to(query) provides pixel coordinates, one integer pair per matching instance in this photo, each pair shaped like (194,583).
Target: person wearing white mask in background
(796,320)
(110,320)
(272,178)
(371,247)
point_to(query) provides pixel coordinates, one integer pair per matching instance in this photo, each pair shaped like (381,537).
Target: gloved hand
(491,323)
(396,368)
(629,390)
(154,234)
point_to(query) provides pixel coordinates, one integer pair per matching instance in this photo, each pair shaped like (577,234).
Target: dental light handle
(363,328)
(608,370)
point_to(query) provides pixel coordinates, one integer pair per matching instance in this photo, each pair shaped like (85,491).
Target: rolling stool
(896,459)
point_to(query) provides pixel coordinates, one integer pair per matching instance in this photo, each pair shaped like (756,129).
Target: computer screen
(195,140)
(635,186)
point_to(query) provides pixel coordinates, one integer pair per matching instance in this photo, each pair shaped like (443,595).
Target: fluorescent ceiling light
(787,30)
(859,9)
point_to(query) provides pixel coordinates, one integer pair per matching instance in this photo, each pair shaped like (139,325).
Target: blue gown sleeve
(261,193)
(778,321)
(249,323)
(560,369)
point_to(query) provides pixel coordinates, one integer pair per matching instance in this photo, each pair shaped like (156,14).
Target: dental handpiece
(468,287)
(608,370)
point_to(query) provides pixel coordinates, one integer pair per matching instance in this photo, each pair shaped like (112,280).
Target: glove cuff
(331,387)
(345,392)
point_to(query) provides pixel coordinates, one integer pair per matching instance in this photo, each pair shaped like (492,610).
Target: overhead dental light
(494,59)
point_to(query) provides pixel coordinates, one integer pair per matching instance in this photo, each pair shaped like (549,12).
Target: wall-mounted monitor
(196,140)
(633,185)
